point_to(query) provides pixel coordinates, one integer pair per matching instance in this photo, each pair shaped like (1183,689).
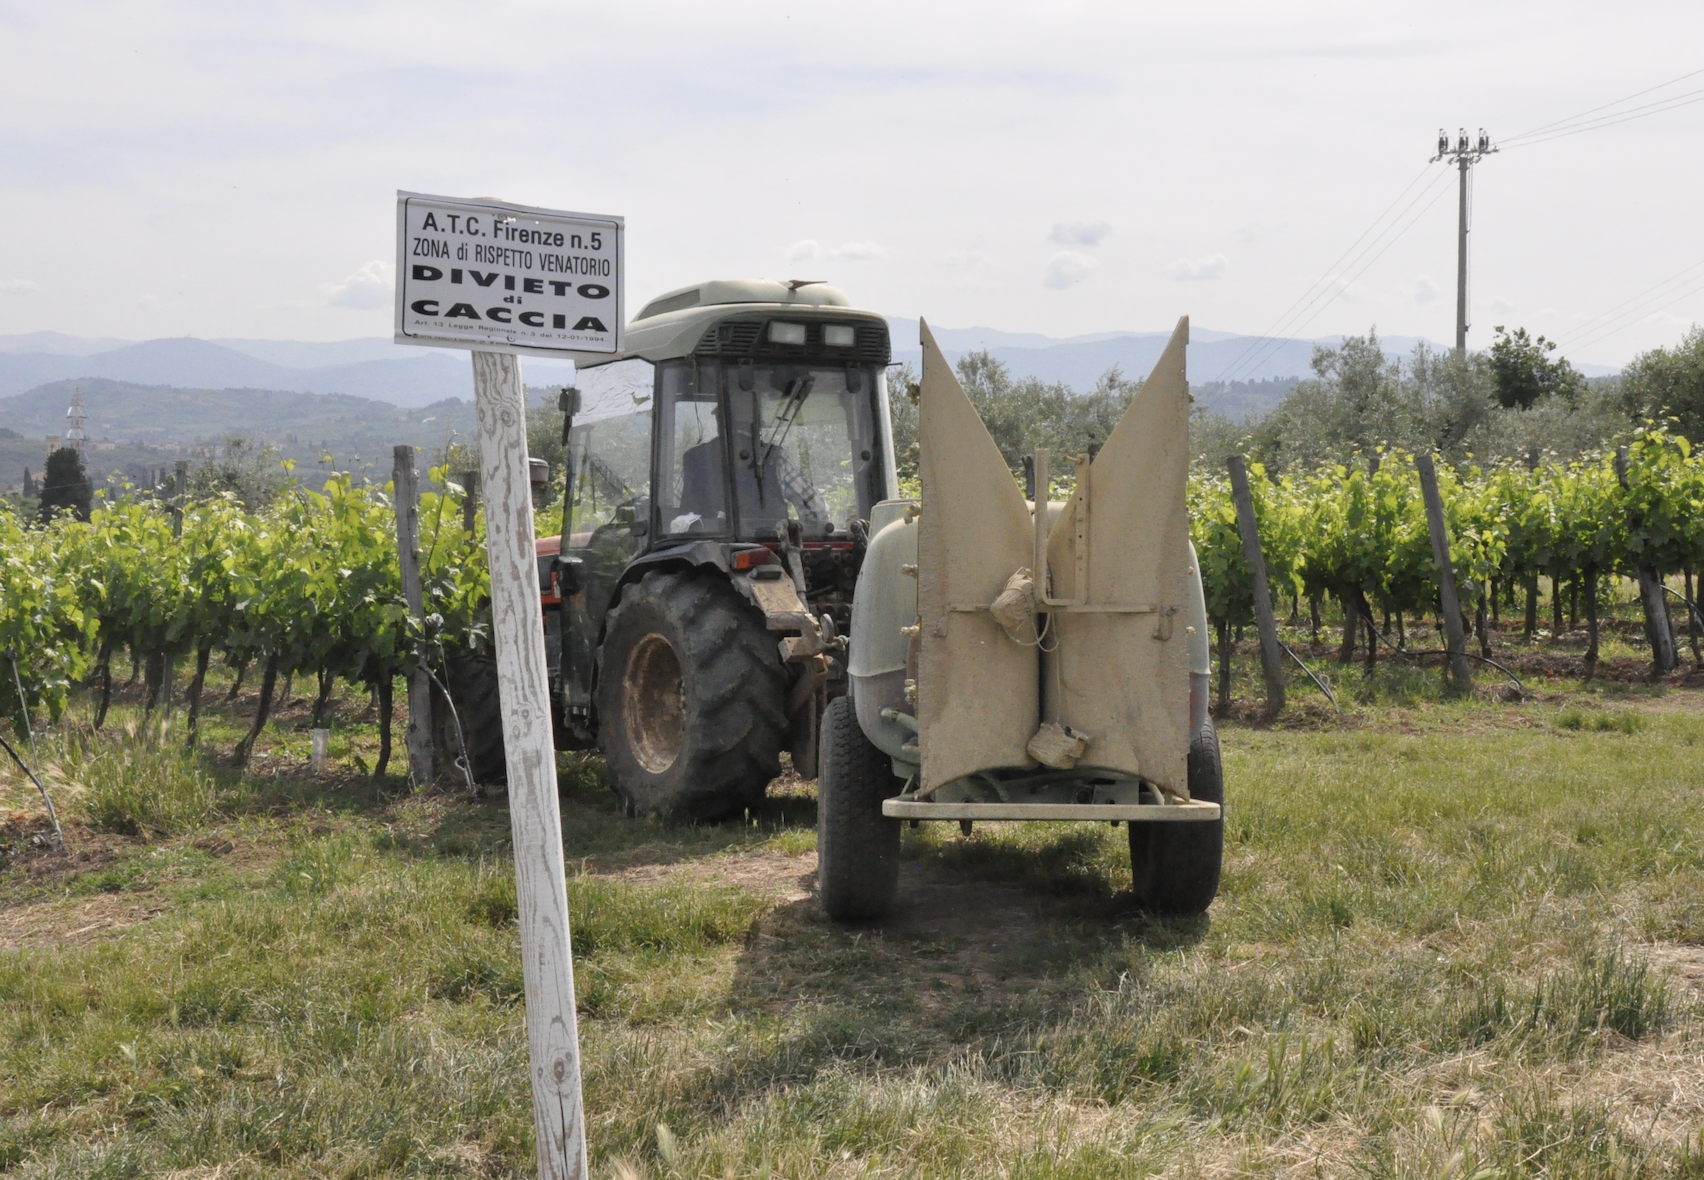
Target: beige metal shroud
(1117,667)
(978,690)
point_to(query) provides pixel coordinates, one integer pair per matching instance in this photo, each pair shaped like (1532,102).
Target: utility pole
(1464,154)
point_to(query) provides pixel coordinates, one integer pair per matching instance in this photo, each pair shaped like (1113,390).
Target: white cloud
(1080,233)
(1067,269)
(1425,290)
(367,288)
(810,249)
(1192,270)
(18,286)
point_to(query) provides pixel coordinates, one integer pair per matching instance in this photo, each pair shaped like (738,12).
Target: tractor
(737,576)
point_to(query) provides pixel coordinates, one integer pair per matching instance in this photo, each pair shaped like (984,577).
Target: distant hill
(138,428)
(374,368)
(379,369)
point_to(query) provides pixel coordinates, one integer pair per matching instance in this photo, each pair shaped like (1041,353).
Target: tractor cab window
(748,447)
(609,453)
(692,498)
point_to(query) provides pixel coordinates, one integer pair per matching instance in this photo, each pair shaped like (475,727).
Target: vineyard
(309,587)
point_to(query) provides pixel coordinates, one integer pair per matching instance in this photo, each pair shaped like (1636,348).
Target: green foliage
(1345,529)
(1669,381)
(1028,414)
(1522,371)
(1359,400)
(65,486)
(43,624)
(311,579)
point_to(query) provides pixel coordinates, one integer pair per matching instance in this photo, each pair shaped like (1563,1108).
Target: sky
(230,170)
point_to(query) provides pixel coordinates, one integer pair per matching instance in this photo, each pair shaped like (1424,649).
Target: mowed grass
(1455,939)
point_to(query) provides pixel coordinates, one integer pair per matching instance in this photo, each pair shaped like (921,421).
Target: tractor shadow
(982,933)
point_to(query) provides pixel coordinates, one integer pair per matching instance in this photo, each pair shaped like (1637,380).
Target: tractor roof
(682,322)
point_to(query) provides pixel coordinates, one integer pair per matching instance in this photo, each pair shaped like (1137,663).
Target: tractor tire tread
(735,694)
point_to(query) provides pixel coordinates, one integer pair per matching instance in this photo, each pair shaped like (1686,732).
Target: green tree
(65,486)
(1356,400)
(1669,381)
(1522,371)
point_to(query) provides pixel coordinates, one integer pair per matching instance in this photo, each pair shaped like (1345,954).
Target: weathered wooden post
(1658,632)
(548,314)
(406,501)
(1271,655)
(1447,600)
(180,485)
(535,815)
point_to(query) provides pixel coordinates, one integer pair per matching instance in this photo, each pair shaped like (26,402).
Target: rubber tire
(472,681)
(731,682)
(1175,867)
(857,846)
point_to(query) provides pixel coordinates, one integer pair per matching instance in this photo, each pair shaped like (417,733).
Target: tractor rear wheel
(1174,867)
(857,846)
(691,698)
(472,680)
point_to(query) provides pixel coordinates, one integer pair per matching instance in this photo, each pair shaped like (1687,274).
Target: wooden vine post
(1271,655)
(418,739)
(180,498)
(1658,632)
(535,815)
(1448,603)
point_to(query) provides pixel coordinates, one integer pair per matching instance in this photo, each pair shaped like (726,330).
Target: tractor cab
(745,425)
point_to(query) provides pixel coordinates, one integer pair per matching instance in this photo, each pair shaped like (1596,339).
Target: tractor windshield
(748,447)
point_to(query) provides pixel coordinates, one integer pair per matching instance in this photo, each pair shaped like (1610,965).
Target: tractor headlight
(839,335)
(786,333)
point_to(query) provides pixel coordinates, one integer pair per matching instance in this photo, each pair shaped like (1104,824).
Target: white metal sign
(499,277)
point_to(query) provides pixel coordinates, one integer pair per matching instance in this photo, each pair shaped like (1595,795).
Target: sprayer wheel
(857,846)
(1174,867)
(690,696)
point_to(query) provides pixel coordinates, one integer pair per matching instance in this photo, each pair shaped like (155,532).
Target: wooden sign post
(561,294)
(535,817)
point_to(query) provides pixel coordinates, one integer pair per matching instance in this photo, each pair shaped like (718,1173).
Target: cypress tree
(65,485)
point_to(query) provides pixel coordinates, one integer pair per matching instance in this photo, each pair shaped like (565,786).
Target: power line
(1657,108)
(1350,281)
(1269,340)
(1593,110)
(1677,287)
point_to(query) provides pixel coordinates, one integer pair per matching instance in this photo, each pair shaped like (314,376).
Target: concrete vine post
(534,812)
(1449,604)
(418,738)
(1271,655)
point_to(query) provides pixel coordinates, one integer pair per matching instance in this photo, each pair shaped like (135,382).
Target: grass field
(1455,939)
